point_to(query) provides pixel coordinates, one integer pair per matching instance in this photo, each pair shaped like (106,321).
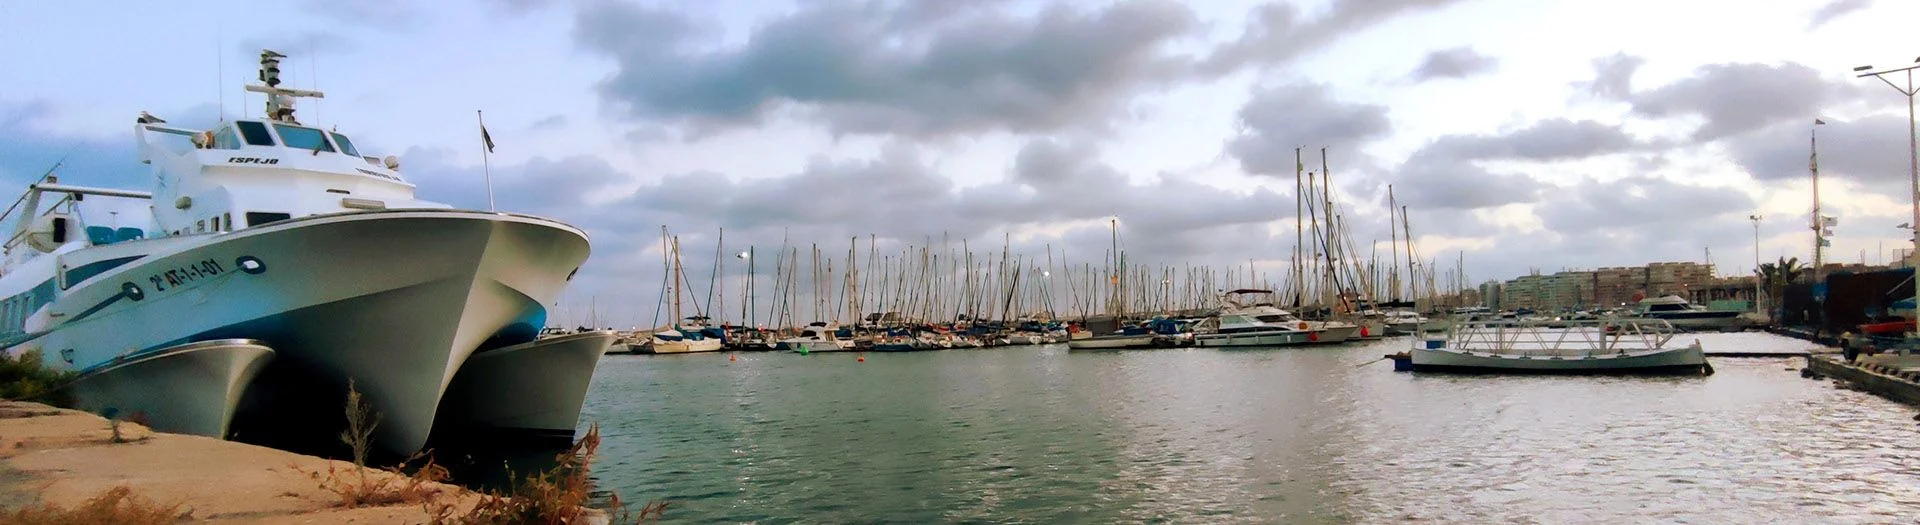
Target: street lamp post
(1913,132)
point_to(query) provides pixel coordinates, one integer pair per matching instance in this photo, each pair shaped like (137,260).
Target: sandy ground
(65,457)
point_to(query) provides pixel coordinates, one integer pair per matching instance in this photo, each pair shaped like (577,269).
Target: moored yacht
(689,336)
(815,337)
(1684,315)
(1244,320)
(277,231)
(1249,318)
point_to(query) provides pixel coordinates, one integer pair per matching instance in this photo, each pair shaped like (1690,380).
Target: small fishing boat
(1614,345)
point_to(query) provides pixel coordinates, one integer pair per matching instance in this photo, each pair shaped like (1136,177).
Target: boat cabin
(1666,303)
(257,171)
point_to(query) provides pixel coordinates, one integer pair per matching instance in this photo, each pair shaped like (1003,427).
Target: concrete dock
(1891,376)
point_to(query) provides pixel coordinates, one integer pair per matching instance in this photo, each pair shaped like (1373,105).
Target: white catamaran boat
(1615,345)
(282,233)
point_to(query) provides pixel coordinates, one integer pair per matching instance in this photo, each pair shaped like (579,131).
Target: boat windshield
(346,146)
(297,137)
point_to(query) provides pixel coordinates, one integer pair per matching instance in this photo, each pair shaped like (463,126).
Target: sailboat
(688,334)
(1127,337)
(281,266)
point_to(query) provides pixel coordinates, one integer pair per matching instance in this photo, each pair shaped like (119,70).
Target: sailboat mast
(677,276)
(714,290)
(1299,231)
(1393,230)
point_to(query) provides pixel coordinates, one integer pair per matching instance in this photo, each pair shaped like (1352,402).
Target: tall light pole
(1756,262)
(1913,133)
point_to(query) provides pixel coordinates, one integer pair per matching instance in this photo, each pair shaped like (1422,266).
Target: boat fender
(1313,336)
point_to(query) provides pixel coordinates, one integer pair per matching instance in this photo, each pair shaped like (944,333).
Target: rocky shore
(58,458)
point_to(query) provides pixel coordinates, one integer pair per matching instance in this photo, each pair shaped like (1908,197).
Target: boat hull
(1682,360)
(186,389)
(534,388)
(808,347)
(1724,321)
(686,346)
(1115,342)
(1334,334)
(391,301)
(1242,339)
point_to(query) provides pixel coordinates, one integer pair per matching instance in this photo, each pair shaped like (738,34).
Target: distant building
(1490,295)
(1526,291)
(1569,291)
(1604,287)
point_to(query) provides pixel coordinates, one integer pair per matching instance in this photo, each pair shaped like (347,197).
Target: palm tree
(1778,274)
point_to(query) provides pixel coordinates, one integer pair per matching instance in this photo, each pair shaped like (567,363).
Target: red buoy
(860,359)
(731,357)
(1313,336)
(1363,331)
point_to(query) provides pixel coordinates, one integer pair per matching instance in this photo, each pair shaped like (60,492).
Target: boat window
(1272,318)
(257,218)
(225,139)
(227,219)
(297,137)
(255,133)
(346,146)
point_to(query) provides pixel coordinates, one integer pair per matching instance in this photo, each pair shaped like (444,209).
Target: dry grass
(118,505)
(361,486)
(361,420)
(555,496)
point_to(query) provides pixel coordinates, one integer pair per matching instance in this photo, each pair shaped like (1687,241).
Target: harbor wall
(1891,382)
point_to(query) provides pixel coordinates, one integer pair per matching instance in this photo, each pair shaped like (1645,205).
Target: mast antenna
(280,104)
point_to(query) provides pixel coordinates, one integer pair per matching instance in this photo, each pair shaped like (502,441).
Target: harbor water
(1293,435)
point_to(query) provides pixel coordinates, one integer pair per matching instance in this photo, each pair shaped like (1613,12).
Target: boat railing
(1554,338)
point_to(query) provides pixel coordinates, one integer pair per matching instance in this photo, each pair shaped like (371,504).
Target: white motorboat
(1408,322)
(1685,315)
(1617,345)
(1245,320)
(675,341)
(274,230)
(815,337)
(690,336)
(1249,318)
(533,387)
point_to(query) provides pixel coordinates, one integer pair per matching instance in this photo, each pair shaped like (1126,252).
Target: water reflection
(1283,435)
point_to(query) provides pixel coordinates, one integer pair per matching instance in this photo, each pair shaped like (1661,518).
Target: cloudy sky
(1520,133)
